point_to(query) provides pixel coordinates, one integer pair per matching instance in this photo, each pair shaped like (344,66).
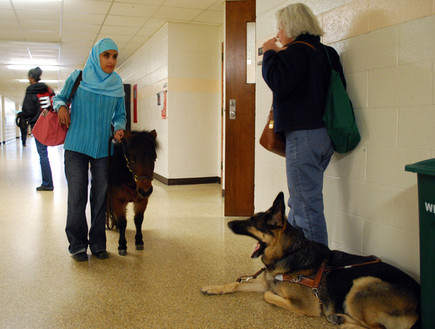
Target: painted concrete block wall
(194,101)
(184,60)
(387,49)
(148,68)
(1,119)
(8,112)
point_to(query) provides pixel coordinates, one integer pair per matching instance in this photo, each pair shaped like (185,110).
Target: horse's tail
(110,216)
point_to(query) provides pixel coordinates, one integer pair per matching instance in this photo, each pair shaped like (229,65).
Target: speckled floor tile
(187,246)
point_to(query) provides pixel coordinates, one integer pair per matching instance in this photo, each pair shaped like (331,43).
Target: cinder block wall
(387,50)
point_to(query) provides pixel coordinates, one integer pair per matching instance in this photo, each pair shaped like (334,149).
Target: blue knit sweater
(91,117)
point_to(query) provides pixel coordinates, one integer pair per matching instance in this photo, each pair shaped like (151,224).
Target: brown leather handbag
(271,141)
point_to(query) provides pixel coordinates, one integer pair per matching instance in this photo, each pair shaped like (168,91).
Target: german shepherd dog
(308,278)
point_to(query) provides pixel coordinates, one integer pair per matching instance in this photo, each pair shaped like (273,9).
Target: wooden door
(239,131)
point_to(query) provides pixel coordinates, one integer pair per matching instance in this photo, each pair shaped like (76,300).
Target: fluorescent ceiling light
(42,80)
(13,43)
(27,67)
(39,0)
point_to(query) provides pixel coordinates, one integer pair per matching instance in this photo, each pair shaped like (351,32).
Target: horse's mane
(140,138)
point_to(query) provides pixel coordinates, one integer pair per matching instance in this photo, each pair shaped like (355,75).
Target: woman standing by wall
(298,75)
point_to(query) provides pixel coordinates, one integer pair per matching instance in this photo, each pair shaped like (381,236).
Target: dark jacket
(299,77)
(31,107)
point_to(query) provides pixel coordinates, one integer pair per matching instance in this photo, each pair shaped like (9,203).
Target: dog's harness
(307,281)
(310,282)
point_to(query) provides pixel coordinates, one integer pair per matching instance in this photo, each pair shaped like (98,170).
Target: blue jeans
(47,178)
(76,172)
(308,153)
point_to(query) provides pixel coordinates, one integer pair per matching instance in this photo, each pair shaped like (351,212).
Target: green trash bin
(426,207)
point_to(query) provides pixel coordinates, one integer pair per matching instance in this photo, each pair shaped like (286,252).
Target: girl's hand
(63,116)
(119,134)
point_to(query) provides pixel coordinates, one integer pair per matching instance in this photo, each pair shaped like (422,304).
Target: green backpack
(339,117)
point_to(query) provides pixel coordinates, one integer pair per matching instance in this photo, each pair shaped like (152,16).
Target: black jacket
(299,77)
(31,107)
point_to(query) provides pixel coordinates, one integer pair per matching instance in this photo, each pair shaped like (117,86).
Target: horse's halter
(129,165)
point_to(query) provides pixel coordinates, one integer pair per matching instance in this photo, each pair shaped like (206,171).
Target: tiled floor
(187,246)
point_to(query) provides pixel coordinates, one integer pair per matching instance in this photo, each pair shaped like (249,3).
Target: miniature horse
(130,176)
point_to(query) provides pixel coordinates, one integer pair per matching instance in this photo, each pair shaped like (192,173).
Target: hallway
(187,246)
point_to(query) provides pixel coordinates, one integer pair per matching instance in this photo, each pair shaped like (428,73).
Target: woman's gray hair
(297,19)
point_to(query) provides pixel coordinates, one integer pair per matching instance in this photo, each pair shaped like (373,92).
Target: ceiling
(57,35)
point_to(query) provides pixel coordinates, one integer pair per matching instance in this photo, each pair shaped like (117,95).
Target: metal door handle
(232,112)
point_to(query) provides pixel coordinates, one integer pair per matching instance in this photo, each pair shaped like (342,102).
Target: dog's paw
(221,289)
(336,319)
(211,290)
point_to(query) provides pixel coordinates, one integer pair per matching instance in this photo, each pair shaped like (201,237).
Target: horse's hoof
(122,252)
(139,247)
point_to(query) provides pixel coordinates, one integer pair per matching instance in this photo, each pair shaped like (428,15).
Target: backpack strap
(74,89)
(327,55)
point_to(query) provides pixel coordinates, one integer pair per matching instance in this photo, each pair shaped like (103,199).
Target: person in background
(97,104)
(31,110)
(298,75)
(23,124)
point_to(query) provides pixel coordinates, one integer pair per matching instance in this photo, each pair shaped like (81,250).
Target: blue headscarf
(97,81)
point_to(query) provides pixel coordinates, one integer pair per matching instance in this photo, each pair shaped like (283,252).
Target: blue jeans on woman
(308,153)
(47,178)
(76,172)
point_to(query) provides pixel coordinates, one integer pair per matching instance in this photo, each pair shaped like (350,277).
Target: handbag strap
(303,42)
(74,89)
(310,45)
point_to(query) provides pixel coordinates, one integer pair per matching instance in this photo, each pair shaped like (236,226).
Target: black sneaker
(44,188)
(80,256)
(101,254)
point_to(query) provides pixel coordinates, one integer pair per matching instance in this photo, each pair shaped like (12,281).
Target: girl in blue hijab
(97,104)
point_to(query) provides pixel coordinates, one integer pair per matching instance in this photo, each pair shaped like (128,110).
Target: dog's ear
(278,211)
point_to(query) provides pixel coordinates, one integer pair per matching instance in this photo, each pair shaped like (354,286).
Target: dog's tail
(350,323)
(402,322)
(418,324)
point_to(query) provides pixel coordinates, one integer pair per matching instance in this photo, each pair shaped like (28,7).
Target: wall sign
(135,103)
